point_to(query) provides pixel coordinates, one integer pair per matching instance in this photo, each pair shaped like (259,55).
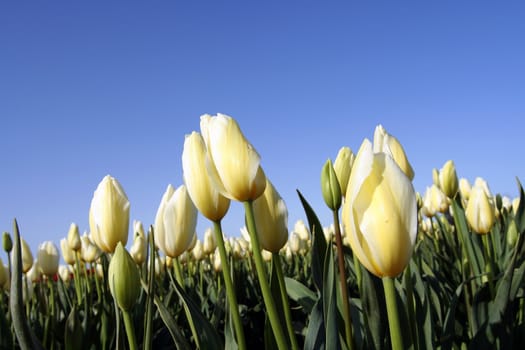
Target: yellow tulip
(89,251)
(380,213)
(434,201)
(109,215)
(386,143)
(27,256)
(464,188)
(271,219)
(202,191)
(67,253)
(343,166)
(448,179)
(175,221)
(47,257)
(73,237)
(480,211)
(234,164)
(138,250)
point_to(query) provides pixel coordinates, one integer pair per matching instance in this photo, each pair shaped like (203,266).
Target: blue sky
(90,88)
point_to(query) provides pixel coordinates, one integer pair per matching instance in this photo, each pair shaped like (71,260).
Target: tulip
(138,228)
(448,179)
(388,144)
(89,251)
(139,249)
(271,219)
(67,253)
(123,278)
(434,201)
(48,258)
(197,251)
(109,215)
(7,242)
(27,256)
(3,274)
(233,163)
(464,188)
(64,273)
(202,191)
(175,221)
(73,237)
(209,244)
(34,274)
(343,166)
(380,213)
(480,211)
(330,187)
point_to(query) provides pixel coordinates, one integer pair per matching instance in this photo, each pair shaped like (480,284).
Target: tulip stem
(342,281)
(130,331)
(276,258)
(76,277)
(230,289)
(262,277)
(393,317)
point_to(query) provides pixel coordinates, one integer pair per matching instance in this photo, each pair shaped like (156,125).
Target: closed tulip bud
(67,253)
(73,237)
(330,186)
(109,215)
(123,278)
(464,188)
(7,243)
(294,242)
(217,264)
(3,274)
(388,144)
(512,234)
(64,274)
(175,221)
(302,231)
(499,202)
(380,213)
(266,255)
(197,251)
(209,244)
(34,274)
(138,229)
(271,219)
(89,251)
(480,211)
(434,201)
(233,163)
(202,191)
(448,179)
(27,256)
(343,166)
(515,205)
(435,177)
(139,250)
(48,258)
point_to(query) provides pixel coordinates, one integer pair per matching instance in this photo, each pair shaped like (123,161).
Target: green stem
(276,258)
(76,277)
(342,281)
(488,264)
(130,331)
(230,289)
(393,316)
(262,276)
(148,330)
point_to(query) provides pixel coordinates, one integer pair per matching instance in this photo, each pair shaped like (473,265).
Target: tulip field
(395,269)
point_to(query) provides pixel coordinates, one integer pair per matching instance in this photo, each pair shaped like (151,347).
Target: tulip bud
(380,213)
(123,278)
(68,254)
(197,251)
(217,263)
(343,166)
(48,258)
(138,229)
(209,244)
(175,221)
(271,219)
(202,191)
(512,234)
(435,177)
(388,144)
(480,211)
(27,256)
(139,250)
(64,273)
(109,215)
(330,186)
(7,242)
(266,255)
(434,201)
(89,251)
(448,180)
(294,242)
(233,163)
(73,238)
(302,231)
(464,189)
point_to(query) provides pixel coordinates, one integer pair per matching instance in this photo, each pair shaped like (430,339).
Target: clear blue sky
(89,88)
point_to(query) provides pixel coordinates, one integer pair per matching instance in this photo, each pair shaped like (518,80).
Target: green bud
(7,242)
(124,279)
(499,202)
(512,234)
(330,186)
(448,179)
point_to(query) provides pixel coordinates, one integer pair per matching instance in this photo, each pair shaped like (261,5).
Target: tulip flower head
(175,221)
(380,212)
(47,257)
(271,219)
(233,163)
(109,215)
(73,237)
(343,166)
(386,143)
(448,179)
(202,191)
(480,210)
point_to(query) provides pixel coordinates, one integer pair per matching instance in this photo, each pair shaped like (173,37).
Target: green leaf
(300,294)
(269,338)
(330,301)
(474,257)
(315,333)
(73,337)
(520,213)
(374,309)
(318,249)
